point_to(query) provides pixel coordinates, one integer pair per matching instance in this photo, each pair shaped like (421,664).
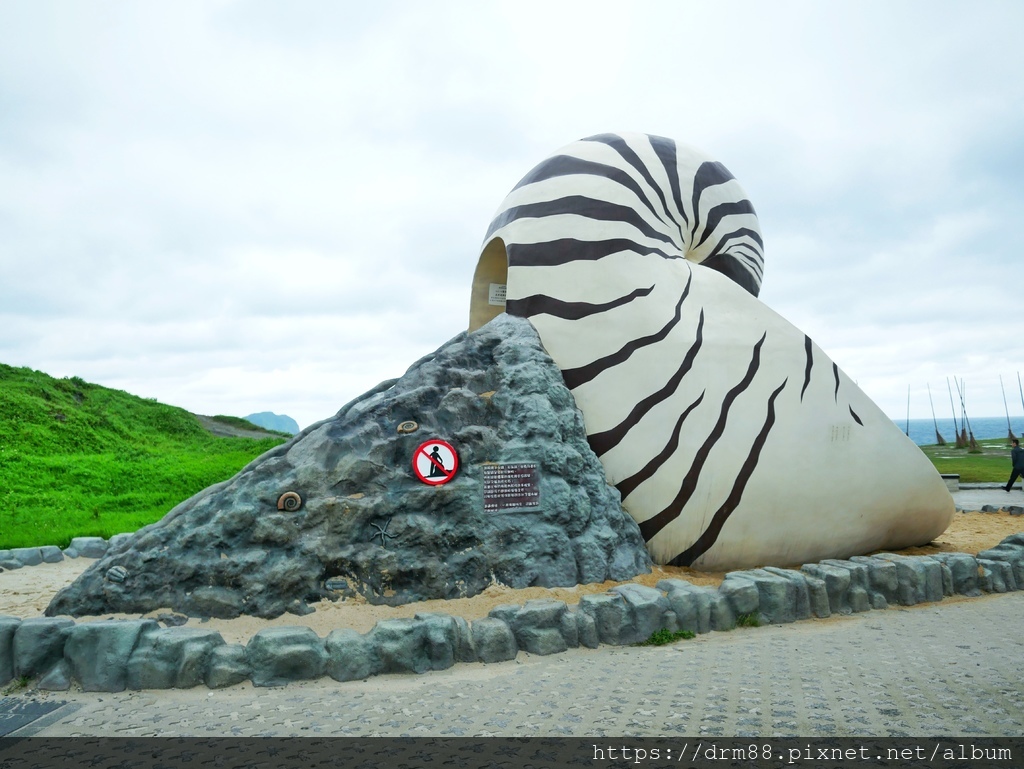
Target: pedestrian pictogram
(435,462)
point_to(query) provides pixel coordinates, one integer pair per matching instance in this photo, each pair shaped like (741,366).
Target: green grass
(748,620)
(664,636)
(16,686)
(77,459)
(990,463)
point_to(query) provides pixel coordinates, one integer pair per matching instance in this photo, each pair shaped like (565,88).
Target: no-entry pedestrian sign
(435,462)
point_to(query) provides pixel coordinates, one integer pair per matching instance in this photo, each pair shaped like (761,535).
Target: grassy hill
(77,459)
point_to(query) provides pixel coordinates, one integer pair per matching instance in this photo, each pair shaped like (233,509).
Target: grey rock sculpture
(338,511)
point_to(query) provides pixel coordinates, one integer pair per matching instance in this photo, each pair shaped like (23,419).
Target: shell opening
(489,283)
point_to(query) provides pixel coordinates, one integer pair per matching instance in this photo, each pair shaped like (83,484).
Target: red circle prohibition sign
(435,462)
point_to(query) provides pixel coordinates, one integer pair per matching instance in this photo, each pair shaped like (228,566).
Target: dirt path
(224,430)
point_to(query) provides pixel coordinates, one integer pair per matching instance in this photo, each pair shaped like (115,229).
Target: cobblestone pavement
(952,668)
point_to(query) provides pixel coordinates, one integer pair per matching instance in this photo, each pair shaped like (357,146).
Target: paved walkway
(950,668)
(976,496)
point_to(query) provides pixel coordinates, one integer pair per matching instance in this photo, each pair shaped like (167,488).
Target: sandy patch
(26,592)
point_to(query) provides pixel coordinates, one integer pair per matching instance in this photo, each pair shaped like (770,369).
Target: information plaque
(496,294)
(512,485)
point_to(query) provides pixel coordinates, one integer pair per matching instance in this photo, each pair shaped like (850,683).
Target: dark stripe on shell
(574,377)
(627,486)
(580,205)
(709,174)
(627,153)
(719,212)
(807,368)
(653,525)
(605,441)
(740,233)
(541,304)
(565,250)
(710,535)
(665,149)
(567,165)
(734,271)
(855,417)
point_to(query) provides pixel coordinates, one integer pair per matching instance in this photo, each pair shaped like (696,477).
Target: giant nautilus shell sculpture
(733,440)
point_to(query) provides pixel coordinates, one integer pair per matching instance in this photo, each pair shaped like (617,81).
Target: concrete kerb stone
(647,610)
(920,578)
(87,547)
(741,595)
(996,576)
(97,653)
(811,596)
(494,640)
(277,655)
(1010,509)
(171,658)
(777,601)
(963,570)
(51,554)
(227,665)
(27,556)
(425,642)
(350,656)
(883,580)
(38,645)
(690,604)
(859,595)
(80,547)
(544,627)
(1008,551)
(8,627)
(611,617)
(111,655)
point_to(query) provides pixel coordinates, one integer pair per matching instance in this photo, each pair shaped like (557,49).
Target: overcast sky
(270,206)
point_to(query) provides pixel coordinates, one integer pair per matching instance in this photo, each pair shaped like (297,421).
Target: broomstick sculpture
(1021,390)
(938,436)
(1009,429)
(908,412)
(956,424)
(961,388)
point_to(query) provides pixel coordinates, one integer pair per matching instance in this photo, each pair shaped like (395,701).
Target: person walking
(1017,458)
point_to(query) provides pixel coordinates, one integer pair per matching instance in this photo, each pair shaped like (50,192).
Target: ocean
(922,431)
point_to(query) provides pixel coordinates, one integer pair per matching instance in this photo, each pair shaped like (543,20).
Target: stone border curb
(1011,509)
(113,655)
(80,547)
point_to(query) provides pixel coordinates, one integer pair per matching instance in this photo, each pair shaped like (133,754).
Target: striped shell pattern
(732,438)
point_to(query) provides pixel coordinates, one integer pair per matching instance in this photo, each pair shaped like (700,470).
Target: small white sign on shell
(496,294)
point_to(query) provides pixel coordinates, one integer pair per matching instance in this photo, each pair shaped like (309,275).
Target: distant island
(271,421)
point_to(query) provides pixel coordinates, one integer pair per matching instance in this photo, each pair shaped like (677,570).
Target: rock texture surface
(366,525)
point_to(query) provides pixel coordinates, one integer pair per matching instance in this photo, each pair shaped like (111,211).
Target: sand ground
(26,592)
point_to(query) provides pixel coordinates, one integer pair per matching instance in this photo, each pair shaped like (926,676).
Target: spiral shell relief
(732,438)
(290,501)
